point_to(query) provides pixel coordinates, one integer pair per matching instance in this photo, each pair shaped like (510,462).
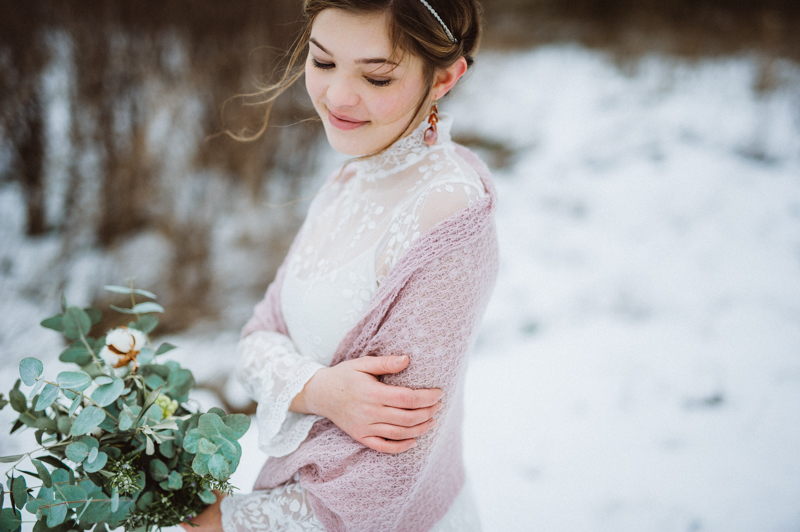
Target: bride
(357,353)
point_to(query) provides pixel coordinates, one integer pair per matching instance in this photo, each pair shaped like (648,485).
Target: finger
(402,397)
(398,433)
(382,365)
(407,418)
(388,446)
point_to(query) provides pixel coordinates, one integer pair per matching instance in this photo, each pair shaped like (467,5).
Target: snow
(639,365)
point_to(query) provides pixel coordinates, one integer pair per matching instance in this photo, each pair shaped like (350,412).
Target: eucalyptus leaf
(74,495)
(211,425)
(54,322)
(17,399)
(77,452)
(163,348)
(175,481)
(57,514)
(95,316)
(96,510)
(219,467)
(46,398)
(200,464)
(89,418)
(10,520)
(36,388)
(103,379)
(93,454)
(115,500)
(206,447)
(11,458)
(149,306)
(191,440)
(126,290)
(146,323)
(44,474)
(20,491)
(74,380)
(107,393)
(76,323)
(158,470)
(179,383)
(207,496)
(238,423)
(92,466)
(145,500)
(146,355)
(64,424)
(75,403)
(126,418)
(77,354)
(30,369)
(34,504)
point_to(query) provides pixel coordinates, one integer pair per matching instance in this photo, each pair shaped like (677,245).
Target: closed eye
(321,65)
(379,82)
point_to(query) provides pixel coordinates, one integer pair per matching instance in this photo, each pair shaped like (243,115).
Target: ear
(445,79)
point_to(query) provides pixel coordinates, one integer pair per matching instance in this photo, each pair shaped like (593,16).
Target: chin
(353,143)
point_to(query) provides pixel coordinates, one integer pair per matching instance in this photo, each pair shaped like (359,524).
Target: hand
(209,520)
(382,417)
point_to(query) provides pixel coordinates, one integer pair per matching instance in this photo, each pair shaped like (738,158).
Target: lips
(344,122)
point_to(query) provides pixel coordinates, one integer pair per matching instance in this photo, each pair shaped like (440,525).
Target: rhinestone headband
(435,14)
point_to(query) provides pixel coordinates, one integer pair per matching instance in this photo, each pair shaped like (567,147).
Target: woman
(357,354)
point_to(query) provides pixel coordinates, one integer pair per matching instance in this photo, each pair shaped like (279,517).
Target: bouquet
(119,445)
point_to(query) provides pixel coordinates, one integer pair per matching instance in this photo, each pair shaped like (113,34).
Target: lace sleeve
(277,510)
(273,372)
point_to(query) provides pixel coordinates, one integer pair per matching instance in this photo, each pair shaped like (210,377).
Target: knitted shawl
(429,307)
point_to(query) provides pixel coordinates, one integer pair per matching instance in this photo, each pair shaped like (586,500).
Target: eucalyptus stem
(85,397)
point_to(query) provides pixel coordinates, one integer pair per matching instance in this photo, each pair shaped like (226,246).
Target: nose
(341,92)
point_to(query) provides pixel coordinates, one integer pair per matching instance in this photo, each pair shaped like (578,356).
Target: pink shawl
(429,307)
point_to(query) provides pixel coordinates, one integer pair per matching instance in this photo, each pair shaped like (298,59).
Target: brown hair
(413,29)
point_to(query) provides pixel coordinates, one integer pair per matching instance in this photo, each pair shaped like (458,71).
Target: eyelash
(328,66)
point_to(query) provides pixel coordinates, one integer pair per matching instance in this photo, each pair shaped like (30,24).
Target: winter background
(638,368)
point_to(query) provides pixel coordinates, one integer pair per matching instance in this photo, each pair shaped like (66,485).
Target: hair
(413,29)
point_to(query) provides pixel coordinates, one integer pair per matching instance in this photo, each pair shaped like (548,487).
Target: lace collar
(405,152)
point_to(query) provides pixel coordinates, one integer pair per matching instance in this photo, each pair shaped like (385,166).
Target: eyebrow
(367,61)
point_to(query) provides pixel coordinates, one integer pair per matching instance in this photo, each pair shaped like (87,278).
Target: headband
(435,14)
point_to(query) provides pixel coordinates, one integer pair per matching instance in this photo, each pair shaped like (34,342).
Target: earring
(431,134)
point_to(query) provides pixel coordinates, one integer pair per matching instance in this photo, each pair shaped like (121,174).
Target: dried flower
(123,344)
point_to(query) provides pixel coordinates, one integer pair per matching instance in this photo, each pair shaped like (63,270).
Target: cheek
(396,104)
(315,87)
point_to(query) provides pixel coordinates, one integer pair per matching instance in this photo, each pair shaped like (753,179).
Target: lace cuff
(280,509)
(273,372)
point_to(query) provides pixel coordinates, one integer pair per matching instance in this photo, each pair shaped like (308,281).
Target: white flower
(122,347)
(125,340)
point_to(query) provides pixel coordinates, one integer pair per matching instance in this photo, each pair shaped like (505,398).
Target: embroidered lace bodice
(357,228)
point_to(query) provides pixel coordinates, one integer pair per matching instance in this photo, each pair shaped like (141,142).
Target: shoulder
(448,184)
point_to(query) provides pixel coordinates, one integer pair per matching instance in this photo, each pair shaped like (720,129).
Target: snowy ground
(639,365)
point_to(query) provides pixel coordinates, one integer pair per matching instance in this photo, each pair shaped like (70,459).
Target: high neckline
(405,151)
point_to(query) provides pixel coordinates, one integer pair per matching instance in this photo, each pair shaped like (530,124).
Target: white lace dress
(356,230)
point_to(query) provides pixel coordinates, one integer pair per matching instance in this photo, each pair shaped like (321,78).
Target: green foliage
(89,418)
(140,459)
(30,369)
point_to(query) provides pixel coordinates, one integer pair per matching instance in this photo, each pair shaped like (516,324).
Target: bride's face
(364,100)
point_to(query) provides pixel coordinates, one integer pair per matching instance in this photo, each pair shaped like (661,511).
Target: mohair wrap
(429,307)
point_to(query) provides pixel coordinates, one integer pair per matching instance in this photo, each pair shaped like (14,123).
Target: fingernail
(399,361)
(413,444)
(433,422)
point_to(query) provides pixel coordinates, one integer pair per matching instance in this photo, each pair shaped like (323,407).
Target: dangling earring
(431,134)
